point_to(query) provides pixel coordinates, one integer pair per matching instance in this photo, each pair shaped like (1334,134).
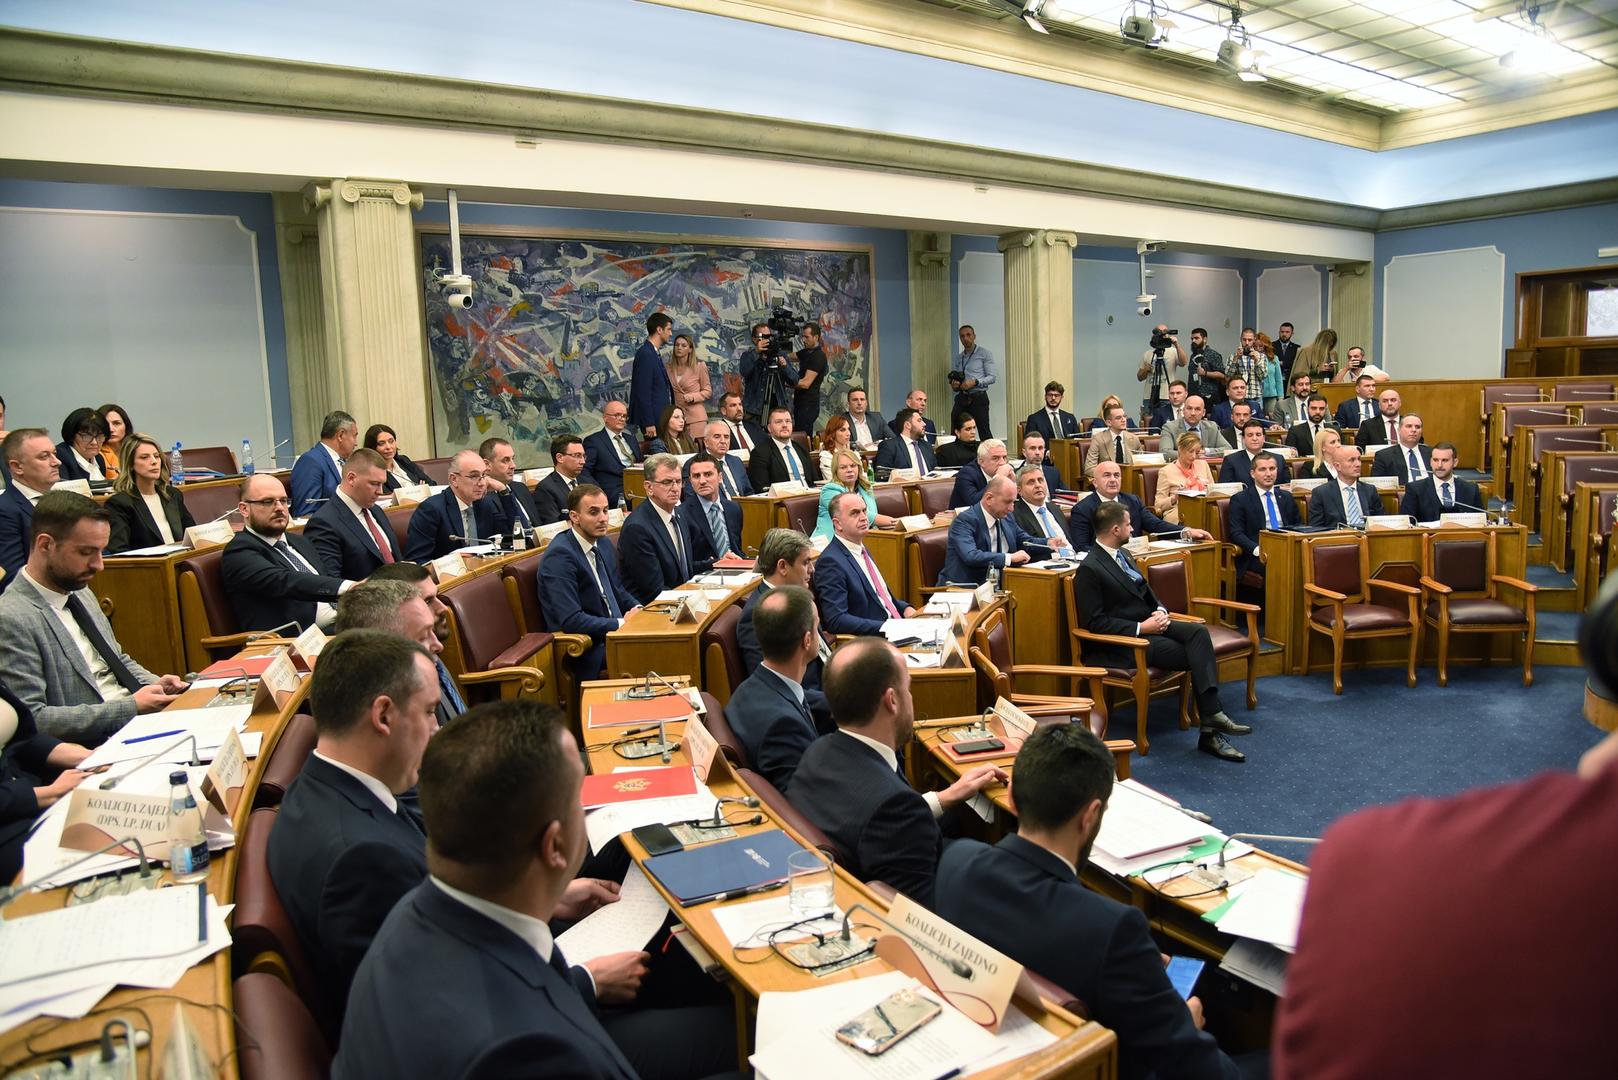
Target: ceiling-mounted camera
(457,290)
(1144,302)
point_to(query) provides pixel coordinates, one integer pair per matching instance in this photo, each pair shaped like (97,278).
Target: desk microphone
(276,447)
(1591,393)
(959,967)
(226,514)
(17,891)
(295,626)
(1564,441)
(644,691)
(1263,836)
(196,759)
(1562,415)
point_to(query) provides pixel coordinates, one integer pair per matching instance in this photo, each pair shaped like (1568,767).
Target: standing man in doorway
(977,370)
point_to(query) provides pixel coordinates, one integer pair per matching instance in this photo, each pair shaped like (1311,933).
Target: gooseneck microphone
(16,891)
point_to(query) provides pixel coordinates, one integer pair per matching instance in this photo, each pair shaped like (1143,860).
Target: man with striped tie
(985,536)
(1036,514)
(1346,501)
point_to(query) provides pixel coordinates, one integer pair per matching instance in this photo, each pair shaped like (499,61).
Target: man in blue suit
(657,545)
(1238,466)
(608,452)
(1346,501)
(458,516)
(1108,482)
(986,535)
(853,597)
(916,399)
(1035,452)
(508,493)
(910,448)
(733,479)
(715,521)
(351,536)
(650,391)
(1053,421)
(318,470)
(1261,505)
(972,479)
(1441,491)
(579,588)
(785,557)
(1359,408)
(32,468)
(1023,897)
(769,711)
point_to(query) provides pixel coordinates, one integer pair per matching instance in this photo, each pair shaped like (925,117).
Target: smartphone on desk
(657,839)
(879,1028)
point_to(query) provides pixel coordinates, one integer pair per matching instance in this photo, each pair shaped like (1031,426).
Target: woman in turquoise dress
(848,474)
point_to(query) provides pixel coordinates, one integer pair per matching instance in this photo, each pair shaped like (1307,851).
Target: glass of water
(811,883)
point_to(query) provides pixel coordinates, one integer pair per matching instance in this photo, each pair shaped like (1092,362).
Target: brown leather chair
(221,459)
(934,499)
(1302,467)
(925,553)
(436,468)
(892,502)
(486,647)
(1582,391)
(714,720)
(1151,444)
(992,652)
(1461,595)
(1142,680)
(262,936)
(1338,585)
(521,579)
(1596,566)
(205,502)
(1585,468)
(1146,481)
(777,804)
(1601,413)
(210,626)
(399,521)
(1502,394)
(801,439)
(286,761)
(722,666)
(799,512)
(1228,584)
(276,1036)
(1174,584)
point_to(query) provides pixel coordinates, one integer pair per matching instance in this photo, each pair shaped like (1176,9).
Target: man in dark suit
(1359,408)
(1053,421)
(391,602)
(733,479)
(769,711)
(1348,500)
(551,493)
(1409,459)
(1035,452)
(1293,409)
(1042,520)
(865,425)
(580,591)
(274,577)
(715,521)
(608,452)
(1261,505)
(910,448)
(986,536)
(1108,482)
(1302,436)
(1023,897)
(766,379)
(778,459)
(1224,413)
(1441,492)
(318,470)
(1114,598)
(657,545)
(32,469)
(972,479)
(1172,408)
(853,597)
(507,491)
(1237,417)
(1382,429)
(650,391)
(849,785)
(351,536)
(1286,350)
(785,557)
(1238,467)
(465,977)
(456,517)
(745,435)
(917,399)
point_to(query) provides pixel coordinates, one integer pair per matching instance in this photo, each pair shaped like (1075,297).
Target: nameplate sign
(1306,483)
(984,594)
(281,677)
(549,532)
(214,532)
(690,608)
(913,522)
(1382,483)
(449,566)
(534,476)
(899,476)
(929,949)
(227,774)
(789,487)
(615,519)
(700,747)
(1147,457)
(1387,521)
(1015,721)
(1225,489)
(413,493)
(96,818)
(1471,521)
(78,487)
(1282,450)
(741,453)
(309,643)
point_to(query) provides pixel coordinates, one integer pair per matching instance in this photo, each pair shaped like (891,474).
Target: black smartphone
(656,839)
(1183,972)
(978,746)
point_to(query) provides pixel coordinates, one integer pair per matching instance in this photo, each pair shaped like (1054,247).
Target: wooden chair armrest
(1056,706)
(1121,749)
(1062,670)
(574,645)
(1317,590)
(1392,586)
(235,642)
(526,679)
(1515,583)
(1177,617)
(1110,639)
(1435,586)
(1228,605)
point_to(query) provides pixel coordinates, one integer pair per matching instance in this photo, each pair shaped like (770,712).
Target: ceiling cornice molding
(1593,93)
(1537,200)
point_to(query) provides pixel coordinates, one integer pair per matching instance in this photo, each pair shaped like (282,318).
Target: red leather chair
(1146,483)
(799,512)
(521,578)
(210,626)
(778,805)
(399,521)
(1601,413)
(436,468)
(286,761)
(1228,584)
(1172,581)
(1585,468)
(488,648)
(892,502)
(207,501)
(276,1036)
(719,727)
(221,459)
(934,498)
(1502,394)
(722,666)
(925,553)
(1338,585)
(1461,595)
(262,936)
(1582,391)
(1141,680)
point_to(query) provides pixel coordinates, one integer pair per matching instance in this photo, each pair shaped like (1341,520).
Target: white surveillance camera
(1144,302)
(457,290)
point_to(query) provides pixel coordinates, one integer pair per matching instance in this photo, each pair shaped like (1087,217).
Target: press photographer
(1207,369)
(1155,366)
(973,374)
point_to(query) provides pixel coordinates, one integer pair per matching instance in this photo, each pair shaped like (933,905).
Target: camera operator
(812,372)
(766,375)
(1207,370)
(973,374)
(1156,366)
(1358,366)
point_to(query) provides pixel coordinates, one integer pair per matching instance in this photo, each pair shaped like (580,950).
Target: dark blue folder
(702,873)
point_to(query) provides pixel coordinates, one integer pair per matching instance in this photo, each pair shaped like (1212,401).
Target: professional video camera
(1164,340)
(784,330)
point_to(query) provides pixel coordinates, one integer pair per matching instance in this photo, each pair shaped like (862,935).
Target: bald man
(274,577)
(458,516)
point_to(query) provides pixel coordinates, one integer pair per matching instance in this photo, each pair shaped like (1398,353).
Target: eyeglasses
(572,454)
(266,504)
(663,483)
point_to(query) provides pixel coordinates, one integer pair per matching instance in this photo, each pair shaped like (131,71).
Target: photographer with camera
(973,374)
(1155,365)
(1207,370)
(1359,366)
(767,376)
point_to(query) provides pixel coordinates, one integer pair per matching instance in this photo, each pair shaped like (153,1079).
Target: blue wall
(888,260)
(1546,241)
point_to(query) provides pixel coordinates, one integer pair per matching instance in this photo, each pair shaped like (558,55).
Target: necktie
(1128,566)
(1351,507)
(1048,522)
(448,694)
(726,483)
(915,458)
(1415,464)
(1393,436)
(469,529)
(878,584)
(1445,497)
(679,548)
(997,539)
(403,813)
(295,560)
(1314,433)
(740,431)
(1365,410)
(608,595)
(114,662)
(521,513)
(624,453)
(721,535)
(1118,449)
(376,534)
(792,462)
(1056,425)
(1271,511)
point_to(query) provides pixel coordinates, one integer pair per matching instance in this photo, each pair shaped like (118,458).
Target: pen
(202,913)
(153,735)
(752,890)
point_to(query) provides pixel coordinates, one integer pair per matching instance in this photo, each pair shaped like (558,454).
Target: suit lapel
(68,646)
(858,571)
(146,515)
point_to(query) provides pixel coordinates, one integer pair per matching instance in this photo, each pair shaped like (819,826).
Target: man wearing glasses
(273,577)
(550,494)
(459,516)
(764,378)
(658,548)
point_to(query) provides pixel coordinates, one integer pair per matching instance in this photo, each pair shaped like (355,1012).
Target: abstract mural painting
(555,323)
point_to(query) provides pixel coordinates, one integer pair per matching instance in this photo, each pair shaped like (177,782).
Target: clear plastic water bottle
(247,457)
(994,578)
(188,839)
(176,465)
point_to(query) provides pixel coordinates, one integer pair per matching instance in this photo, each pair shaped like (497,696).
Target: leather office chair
(1338,586)
(205,502)
(436,468)
(777,803)
(1501,394)
(992,652)
(892,502)
(1461,595)
(722,666)
(1151,444)
(286,761)
(933,499)
(1558,535)
(277,1037)
(799,512)
(399,521)
(1581,391)
(1146,485)
(262,936)
(1175,586)
(211,630)
(487,648)
(521,579)
(1600,413)
(1229,586)
(1302,467)
(218,458)
(1141,680)
(925,554)
(719,727)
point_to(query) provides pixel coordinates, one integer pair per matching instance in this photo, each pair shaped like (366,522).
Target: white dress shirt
(91,467)
(367,522)
(589,547)
(398,473)
(27,492)
(933,802)
(674,533)
(160,517)
(371,783)
(107,684)
(860,430)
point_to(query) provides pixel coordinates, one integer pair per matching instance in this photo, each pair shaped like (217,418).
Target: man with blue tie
(657,545)
(353,537)
(650,391)
(456,517)
(1359,408)
(400,607)
(909,450)
(507,491)
(715,521)
(733,480)
(777,459)
(318,470)
(984,537)
(1108,482)
(608,452)
(1409,459)
(1037,515)
(852,594)
(769,711)
(1260,505)
(1441,492)
(1348,500)
(579,588)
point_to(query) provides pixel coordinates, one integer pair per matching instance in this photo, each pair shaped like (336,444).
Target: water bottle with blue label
(188,837)
(247,457)
(176,465)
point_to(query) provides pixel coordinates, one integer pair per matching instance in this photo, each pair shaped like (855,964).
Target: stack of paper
(1138,823)
(1263,965)
(151,732)
(924,631)
(1266,908)
(625,925)
(605,824)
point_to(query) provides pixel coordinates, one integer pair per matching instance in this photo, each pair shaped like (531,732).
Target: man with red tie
(853,597)
(1382,429)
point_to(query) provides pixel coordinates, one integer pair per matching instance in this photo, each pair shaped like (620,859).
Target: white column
(297,248)
(932,338)
(1039,317)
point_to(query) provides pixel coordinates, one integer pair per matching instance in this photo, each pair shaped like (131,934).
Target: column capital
(317,194)
(1029,237)
(932,258)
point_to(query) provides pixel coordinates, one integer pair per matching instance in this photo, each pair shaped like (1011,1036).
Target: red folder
(640,711)
(636,784)
(251,666)
(734,562)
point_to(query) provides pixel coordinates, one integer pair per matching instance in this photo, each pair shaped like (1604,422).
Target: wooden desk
(1395,556)
(1039,623)
(1556,499)
(1067,455)
(647,641)
(1084,1050)
(205,988)
(140,594)
(1589,551)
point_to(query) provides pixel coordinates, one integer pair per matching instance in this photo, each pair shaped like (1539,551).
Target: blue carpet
(1556,626)
(1313,757)
(1548,577)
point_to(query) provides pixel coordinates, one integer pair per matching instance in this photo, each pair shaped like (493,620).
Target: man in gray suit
(1192,415)
(57,651)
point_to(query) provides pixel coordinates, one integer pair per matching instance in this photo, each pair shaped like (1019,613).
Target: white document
(112,931)
(1018,1035)
(623,926)
(156,549)
(1263,965)
(749,925)
(1137,824)
(610,821)
(929,631)
(1268,910)
(924,660)
(149,733)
